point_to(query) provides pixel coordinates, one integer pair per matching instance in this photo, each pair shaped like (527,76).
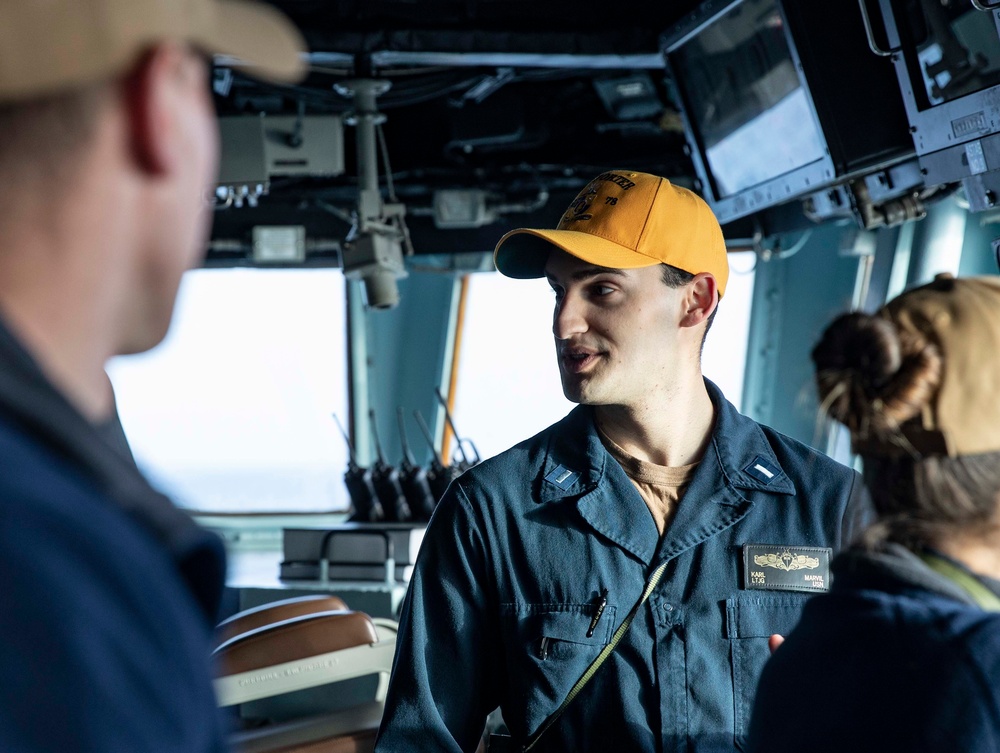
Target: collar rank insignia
(763,470)
(786,568)
(562,477)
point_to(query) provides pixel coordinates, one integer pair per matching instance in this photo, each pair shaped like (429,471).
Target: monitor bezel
(806,179)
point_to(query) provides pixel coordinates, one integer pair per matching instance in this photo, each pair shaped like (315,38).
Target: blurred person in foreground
(903,653)
(108,146)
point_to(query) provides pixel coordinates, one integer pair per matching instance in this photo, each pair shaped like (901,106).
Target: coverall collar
(739,459)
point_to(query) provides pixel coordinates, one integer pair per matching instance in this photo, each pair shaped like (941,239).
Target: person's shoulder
(510,478)
(85,583)
(978,630)
(793,447)
(796,456)
(960,642)
(520,459)
(923,620)
(978,637)
(51,504)
(34,476)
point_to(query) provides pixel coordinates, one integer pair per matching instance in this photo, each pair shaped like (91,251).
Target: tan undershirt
(660,486)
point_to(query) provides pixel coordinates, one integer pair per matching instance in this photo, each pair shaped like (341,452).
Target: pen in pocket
(602,602)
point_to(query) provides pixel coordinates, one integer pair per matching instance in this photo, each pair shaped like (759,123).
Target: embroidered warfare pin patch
(786,568)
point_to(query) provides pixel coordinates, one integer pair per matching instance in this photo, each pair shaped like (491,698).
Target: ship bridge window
(232,413)
(508,382)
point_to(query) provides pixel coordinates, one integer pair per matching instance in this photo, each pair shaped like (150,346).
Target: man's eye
(602,290)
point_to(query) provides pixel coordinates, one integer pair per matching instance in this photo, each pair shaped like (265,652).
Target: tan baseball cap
(961,316)
(625,220)
(48,45)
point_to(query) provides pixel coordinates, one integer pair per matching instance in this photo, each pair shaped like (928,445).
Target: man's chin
(576,393)
(141,339)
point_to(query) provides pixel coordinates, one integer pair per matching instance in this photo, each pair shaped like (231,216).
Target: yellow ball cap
(625,220)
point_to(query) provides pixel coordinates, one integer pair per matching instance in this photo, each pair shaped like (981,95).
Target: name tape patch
(786,568)
(562,477)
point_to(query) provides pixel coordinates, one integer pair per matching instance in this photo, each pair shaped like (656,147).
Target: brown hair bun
(871,376)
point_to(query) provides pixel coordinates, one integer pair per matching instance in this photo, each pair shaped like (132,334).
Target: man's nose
(569,318)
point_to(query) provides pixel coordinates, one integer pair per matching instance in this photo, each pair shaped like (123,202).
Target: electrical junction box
(310,145)
(279,245)
(461,208)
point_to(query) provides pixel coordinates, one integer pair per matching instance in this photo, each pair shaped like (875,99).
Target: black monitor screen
(745,99)
(952,48)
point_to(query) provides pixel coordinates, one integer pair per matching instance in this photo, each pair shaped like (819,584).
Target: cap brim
(523,253)
(262,40)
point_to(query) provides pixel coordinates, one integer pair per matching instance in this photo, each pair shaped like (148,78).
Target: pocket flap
(759,615)
(570,622)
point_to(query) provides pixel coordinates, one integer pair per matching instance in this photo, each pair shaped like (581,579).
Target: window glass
(508,381)
(724,359)
(233,411)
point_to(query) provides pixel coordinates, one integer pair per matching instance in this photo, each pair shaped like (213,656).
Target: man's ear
(152,92)
(701,299)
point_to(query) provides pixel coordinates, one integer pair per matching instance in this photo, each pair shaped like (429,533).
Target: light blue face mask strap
(965,580)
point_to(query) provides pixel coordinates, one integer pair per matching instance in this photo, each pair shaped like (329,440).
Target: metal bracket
(872,44)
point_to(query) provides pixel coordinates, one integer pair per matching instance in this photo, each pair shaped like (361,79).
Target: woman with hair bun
(903,653)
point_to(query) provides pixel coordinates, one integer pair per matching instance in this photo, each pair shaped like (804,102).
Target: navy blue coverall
(504,589)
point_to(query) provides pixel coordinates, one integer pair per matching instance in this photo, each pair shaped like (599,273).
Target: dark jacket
(895,657)
(108,592)
(523,544)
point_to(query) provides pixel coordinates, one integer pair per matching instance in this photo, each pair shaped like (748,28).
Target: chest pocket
(752,618)
(548,650)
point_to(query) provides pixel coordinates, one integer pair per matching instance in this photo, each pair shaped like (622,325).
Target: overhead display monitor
(779,100)
(746,100)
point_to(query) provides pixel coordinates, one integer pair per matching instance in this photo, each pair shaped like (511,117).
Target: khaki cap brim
(46,47)
(260,37)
